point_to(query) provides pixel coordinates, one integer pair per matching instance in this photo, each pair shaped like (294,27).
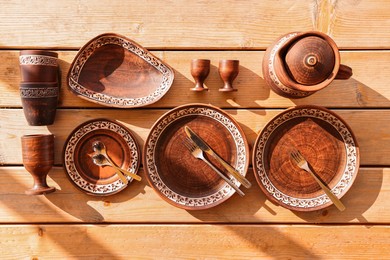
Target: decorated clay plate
(114,71)
(121,148)
(177,176)
(326,142)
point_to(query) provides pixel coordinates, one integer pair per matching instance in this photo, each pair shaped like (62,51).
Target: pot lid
(310,60)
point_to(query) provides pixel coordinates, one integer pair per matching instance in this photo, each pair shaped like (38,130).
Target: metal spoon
(100,148)
(101,160)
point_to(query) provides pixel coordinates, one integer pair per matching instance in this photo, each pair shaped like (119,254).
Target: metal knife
(207,149)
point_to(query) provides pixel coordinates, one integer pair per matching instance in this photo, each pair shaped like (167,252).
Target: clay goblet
(38,66)
(200,69)
(38,159)
(39,101)
(228,70)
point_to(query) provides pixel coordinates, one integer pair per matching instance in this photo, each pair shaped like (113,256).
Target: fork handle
(224,177)
(232,171)
(327,191)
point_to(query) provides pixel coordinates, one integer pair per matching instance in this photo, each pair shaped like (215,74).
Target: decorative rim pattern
(69,151)
(123,102)
(272,73)
(179,113)
(351,166)
(39,92)
(38,60)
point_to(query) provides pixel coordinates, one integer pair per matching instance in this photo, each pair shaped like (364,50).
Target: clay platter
(121,147)
(177,176)
(327,143)
(115,71)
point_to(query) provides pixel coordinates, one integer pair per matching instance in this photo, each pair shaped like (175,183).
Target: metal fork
(303,164)
(198,153)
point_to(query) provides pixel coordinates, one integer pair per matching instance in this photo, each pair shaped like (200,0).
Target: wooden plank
(139,203)
(362,90)
(369,126)
(194,242)
(197,24)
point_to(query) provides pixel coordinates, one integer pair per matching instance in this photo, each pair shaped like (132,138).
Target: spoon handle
(132,175)
(123,178)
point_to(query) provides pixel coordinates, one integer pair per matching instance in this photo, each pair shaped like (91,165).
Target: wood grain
(138,203)
(193,241)
(362,90)
(198,24)
(369,126)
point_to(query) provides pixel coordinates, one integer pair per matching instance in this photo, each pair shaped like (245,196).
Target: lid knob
(310,60)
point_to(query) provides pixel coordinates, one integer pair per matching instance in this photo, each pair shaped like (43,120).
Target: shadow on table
(94,245)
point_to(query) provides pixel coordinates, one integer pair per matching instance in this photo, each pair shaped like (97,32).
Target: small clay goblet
(38,66)
(38,159)
(228,70)
(200,69)
(39,101)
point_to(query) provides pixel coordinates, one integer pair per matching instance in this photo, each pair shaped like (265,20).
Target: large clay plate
(121,147)
(326,142)
(178,177)
(114,71)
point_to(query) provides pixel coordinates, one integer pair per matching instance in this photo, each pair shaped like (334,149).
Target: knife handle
(224,177)
(232,171)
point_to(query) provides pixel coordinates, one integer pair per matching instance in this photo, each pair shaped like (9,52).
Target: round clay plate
(325,141)
(121,148)
(177,176)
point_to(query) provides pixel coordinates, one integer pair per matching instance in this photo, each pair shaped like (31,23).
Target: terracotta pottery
(121,146)
(39,66)
(175,174)
(115,71)
(39,101)
(299,64)
(200,69)
(38,159)
(326,142)
(228,70)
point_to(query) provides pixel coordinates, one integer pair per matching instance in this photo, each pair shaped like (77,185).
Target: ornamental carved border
(39,92)
(38,60)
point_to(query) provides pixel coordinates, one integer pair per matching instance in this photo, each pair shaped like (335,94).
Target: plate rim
(118,185)
(182,201)
(299,204)
(119,102)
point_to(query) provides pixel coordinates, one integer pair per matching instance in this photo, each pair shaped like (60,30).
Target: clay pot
(38,66)
(299,64)
(39,101)
(38,159)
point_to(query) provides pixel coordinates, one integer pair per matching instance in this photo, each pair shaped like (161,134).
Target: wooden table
(137,223)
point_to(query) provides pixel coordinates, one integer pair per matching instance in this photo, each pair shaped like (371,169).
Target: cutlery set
(101,156)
